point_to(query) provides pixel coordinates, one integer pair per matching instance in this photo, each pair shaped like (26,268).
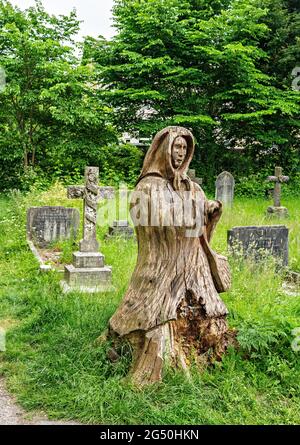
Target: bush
(120,163)
(258,185)
(117,163)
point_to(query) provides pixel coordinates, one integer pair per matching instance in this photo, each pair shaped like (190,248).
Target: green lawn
(54,363)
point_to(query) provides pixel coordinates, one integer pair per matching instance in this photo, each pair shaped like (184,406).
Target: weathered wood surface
(171,309)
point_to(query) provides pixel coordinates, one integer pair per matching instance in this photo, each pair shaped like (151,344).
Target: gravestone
(225,188)
(88,272)
(257,241)
(277,209)
(121,228)
(46,225)
(192,175)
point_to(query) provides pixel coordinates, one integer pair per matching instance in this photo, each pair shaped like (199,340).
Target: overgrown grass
(54,362)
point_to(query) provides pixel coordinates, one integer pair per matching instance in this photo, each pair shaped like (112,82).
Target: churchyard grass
(55,361)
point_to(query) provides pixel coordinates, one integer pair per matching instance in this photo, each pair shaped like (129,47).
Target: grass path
(55,364)
(12,414)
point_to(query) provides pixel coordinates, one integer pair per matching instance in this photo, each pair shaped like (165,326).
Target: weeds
(55,362)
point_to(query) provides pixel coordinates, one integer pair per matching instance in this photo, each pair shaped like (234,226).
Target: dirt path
(12,414)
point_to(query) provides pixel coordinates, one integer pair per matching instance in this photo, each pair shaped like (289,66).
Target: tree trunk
(25,159)
(192,338)
(172,312)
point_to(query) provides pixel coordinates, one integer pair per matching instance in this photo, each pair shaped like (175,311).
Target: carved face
(92,177)
(179,151)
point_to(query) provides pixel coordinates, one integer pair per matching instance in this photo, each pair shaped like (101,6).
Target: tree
(199,64)
(50,115)
(283,42)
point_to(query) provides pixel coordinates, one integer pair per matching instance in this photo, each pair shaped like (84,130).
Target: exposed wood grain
(172,309)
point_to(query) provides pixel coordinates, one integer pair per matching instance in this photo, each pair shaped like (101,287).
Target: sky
(96,14)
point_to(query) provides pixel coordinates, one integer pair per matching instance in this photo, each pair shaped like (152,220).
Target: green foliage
(257,185)
(50,112)
(222,68)
(213,67)
(260,339)
(283,46)
(120,163)
(252,186)
(56,362)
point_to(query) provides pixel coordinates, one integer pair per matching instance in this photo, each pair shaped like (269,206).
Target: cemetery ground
(54,361)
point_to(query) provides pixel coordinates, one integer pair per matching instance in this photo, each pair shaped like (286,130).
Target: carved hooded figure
(172,291)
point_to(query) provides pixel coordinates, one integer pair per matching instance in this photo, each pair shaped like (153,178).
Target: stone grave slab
(46,225)
(257,241)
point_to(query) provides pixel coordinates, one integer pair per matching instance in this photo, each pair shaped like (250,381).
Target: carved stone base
(120,228)
(88,260)
(278,212)
(87,274)
(66,288)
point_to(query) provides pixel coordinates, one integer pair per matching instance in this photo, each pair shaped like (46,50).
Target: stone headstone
(257,241)
(48,224)
(225,188)
(121,228)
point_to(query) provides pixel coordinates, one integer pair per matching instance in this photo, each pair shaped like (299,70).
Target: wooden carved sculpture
(172,310)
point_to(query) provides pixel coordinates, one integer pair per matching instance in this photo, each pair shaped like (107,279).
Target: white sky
(96,14)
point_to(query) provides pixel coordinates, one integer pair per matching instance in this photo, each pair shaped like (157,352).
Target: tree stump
(172,312)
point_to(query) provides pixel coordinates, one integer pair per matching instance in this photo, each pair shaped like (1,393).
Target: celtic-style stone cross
(278,179)
(91,193)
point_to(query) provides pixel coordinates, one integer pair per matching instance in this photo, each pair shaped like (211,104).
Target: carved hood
(158,160)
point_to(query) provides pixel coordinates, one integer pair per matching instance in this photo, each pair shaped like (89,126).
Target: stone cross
(192,175)
(91,193)
(278,179)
